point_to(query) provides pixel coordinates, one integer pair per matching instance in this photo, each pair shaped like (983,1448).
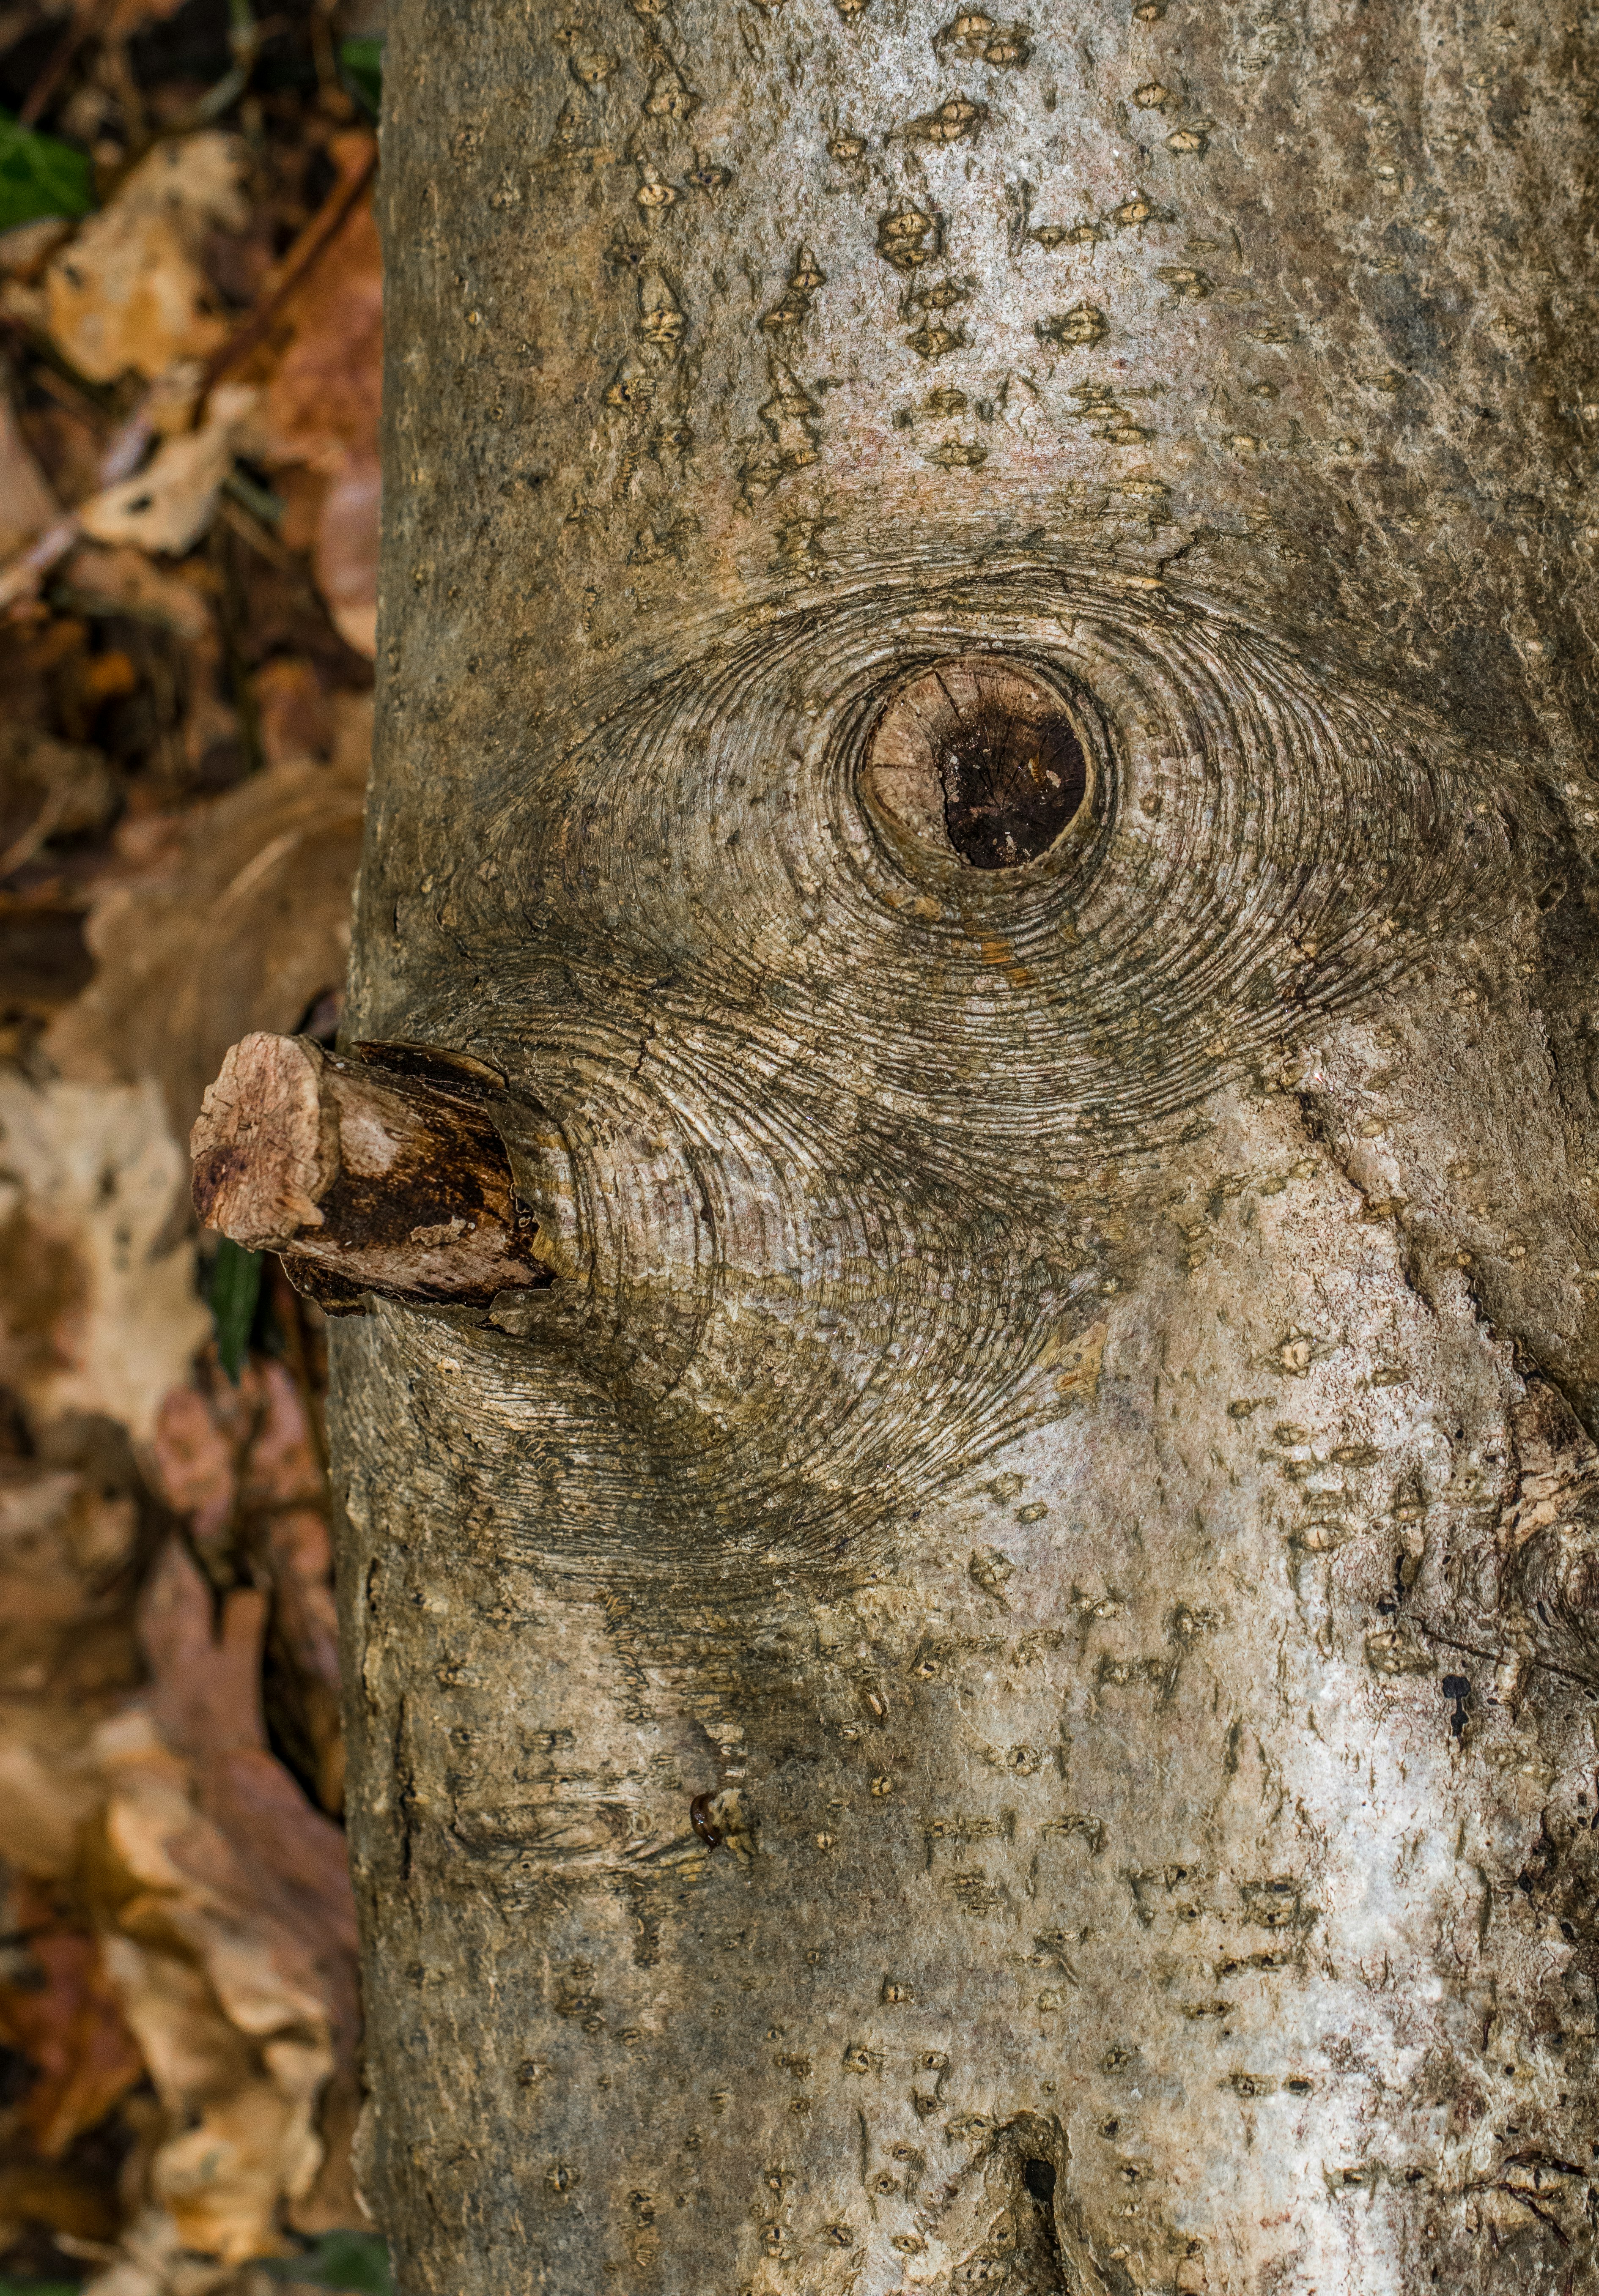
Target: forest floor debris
(190,356)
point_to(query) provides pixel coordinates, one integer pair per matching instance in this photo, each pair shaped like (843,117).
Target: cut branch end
(381,1171)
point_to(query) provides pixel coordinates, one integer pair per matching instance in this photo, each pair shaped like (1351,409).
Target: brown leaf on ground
(65,1548)
(195,1458)
(182,764)
(239,922)
(153,2262)
(124,581)
(323,361)
(231,1927)
(49,788)
(128,292)
(68,446)
(205,1694)
(347,550)
(60,2013)
(50,1784)
(27,505)
(241,1464)
(26,247)
(321,367)
(294,712)
(40,2194)
(304,1627)
(168,505)
(98,1313)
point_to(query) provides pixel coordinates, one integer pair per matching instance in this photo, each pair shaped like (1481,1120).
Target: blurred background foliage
(190,347)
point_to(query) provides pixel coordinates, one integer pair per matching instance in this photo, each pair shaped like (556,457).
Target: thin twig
(243,522)
(1476,1649)
(20,575)
(60,59)
(312,244)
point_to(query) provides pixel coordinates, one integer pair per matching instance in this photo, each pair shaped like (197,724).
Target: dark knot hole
(1040,2178)
(979,758)
(1011,785)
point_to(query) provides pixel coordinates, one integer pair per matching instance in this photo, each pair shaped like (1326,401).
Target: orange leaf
(71,2030)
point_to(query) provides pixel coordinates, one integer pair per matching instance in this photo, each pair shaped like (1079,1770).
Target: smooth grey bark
(996,1687)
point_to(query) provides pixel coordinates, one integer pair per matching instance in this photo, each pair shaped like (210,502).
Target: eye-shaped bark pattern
(1264,840)
(810,1067)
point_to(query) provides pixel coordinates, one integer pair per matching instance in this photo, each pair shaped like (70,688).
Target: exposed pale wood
(263,1155)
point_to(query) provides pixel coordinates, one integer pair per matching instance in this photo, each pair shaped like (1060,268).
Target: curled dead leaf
(27,505)
(347,550)
(167,505)
(98,1312)
(128,292)
(240,921)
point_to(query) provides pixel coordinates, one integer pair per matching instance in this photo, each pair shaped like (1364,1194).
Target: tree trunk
(984,714)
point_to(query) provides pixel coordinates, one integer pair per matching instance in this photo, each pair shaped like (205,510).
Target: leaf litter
(190,356)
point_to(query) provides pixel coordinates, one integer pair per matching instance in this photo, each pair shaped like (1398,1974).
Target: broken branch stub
(378,1171)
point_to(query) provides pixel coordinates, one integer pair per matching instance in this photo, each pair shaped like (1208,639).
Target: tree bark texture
(985,709)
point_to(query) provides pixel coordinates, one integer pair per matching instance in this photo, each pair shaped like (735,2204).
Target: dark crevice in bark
(1022,2251)
(1412,1260)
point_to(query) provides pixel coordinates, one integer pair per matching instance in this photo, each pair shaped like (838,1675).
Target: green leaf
(338,2259)
(232,1292)
(39,176)
(362,63)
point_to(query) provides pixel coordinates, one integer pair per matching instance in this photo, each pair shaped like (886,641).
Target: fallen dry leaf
(49,788)
(168,505)
(65,1547)
(98,1311)
(123,580)
(323,361)
(188,2012)
(128,292)
(240,921)
(241,1464)
(294,712)
(196,1457)
(54,2198)
(50,1784)
(27,505)
(60,2013)
(153,2263)
(231,1928)
(26,247)
(347,550)
(322,365)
